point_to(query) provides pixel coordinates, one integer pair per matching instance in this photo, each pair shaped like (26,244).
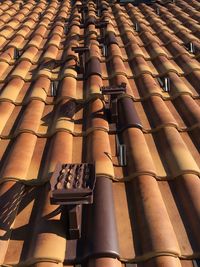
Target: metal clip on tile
(17,53)
(54,88)
(40,15)
(66,29)
(164,83)
(102,26)
(104,49)
(158,11)
(111,103)
(136,27)
(121,153)
(81,51)
(83,9)
(190,47)
(72,186)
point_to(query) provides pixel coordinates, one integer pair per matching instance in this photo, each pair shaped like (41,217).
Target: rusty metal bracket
(83,9)
(82,60)
(112,94)
(102,25)
(72,185)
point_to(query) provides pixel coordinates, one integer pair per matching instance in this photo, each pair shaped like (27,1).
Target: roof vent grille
(73,185)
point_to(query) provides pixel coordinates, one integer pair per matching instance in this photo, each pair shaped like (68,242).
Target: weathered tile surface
(145,214)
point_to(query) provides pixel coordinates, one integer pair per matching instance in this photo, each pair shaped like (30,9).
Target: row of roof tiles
(141,218)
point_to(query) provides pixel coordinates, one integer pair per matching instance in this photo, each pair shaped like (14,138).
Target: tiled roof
(145,213)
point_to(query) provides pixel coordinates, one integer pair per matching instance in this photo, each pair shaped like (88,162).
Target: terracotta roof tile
(56,57)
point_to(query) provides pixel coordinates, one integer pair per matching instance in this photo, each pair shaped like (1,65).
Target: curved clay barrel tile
(183,209)
(177,49)
(22,69)
(128,116)
(57,30)
(114,50)
(68,88)
(156,232)
(20,151)
(7,32)
(164,66)
(31,118)
(140,66)
(12,89)
(55,40)
(176,155)
(6,110)
(108,262)
(49,227)
(51,53)
(4,66)
(40,30)
(148,38)
(159,114)
(17,42)
(97,142)
(30,54)
(7,55)
(155,50)
(10,192)
(40,89)
(188,64)
(144,226)
(94,51)
(189,109)
(165,261)
(91,31)
(60,150)
(139,160)
(178,86)
(93,67)
(95,117)
(134,50)
(93,84)
(64,116)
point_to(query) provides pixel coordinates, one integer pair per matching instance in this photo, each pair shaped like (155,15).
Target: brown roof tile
(146,208)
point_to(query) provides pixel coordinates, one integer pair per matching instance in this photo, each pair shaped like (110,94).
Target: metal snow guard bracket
(111,106)
(82,61)
(114,91)
(73,184)
(101,24)
(80,50)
